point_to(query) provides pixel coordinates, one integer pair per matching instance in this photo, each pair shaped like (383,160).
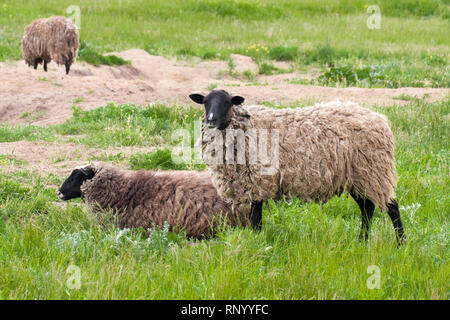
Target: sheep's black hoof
(362,238)
(401,239)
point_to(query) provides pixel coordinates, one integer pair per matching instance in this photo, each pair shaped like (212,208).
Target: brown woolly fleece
(324,150)
(54,38)
(187,200)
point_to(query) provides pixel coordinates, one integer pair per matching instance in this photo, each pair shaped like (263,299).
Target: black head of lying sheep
(71,188)
(186,200)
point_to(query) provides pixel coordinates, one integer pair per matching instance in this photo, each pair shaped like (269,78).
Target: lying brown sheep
(54,38)
(187,200)
(323,151)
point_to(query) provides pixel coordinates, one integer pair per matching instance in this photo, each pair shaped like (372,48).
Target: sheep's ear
(197,98)
(237,100)
(88,171)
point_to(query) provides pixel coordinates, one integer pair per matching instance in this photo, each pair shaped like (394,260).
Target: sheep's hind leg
(394,214)
(67,67)
(367,208)
(256,215)
(45,65)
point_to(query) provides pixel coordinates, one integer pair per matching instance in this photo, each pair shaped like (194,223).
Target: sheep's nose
(60,195)
(211,117)
(211,120)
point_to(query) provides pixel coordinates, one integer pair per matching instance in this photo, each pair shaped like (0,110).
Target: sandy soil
(30,96)
(59,158)
(43,98)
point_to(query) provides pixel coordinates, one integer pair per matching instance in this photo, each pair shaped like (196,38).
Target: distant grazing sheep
(324,150)
(54,38)
(185,199)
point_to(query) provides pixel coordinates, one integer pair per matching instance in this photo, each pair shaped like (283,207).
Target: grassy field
(303,251)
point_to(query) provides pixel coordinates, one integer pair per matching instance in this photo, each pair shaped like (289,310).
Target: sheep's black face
(217,104)
(71,188)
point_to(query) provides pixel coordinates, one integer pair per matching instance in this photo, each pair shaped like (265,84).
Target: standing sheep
(323,151)
(185,199)
(54,38)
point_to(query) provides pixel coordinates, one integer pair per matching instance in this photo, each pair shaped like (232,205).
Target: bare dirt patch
(58,158)
(43,98)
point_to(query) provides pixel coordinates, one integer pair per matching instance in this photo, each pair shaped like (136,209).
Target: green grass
(112,125)
(284,53)
(267,68)
(391,75)
(404,97)
(10,160)
(160,159)
(308,33)
(90,55)
(302,252)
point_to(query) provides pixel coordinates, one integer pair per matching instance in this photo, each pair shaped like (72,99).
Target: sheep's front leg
(256,215)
